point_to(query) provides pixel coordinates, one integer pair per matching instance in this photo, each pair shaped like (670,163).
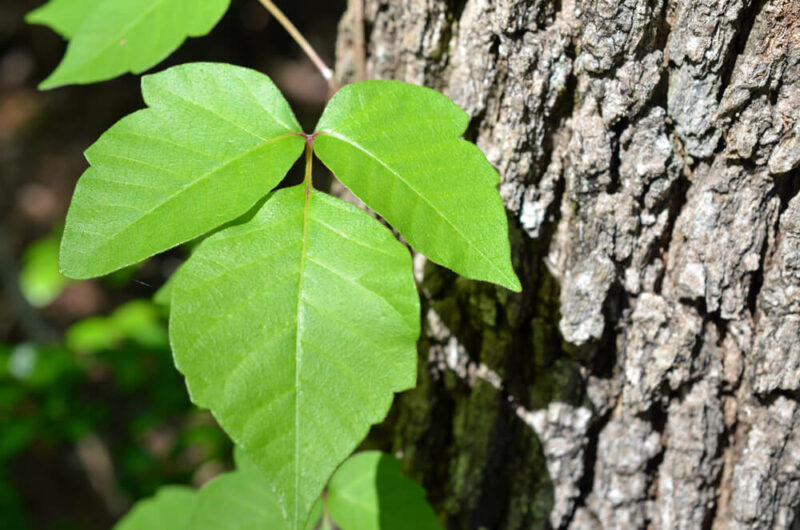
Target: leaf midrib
(298,349)
(441,215)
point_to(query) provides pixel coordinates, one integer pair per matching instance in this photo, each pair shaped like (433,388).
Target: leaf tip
(51,81)
(38,16)
(514,284)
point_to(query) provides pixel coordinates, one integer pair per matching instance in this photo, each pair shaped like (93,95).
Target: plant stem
(326,72)
(309,163)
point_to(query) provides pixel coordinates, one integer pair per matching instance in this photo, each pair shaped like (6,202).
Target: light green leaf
(295,329)
(396,146)
(239,500)
(39,279)
(63,16)
(368,493)
(171,508)
(117,36)
(215,139)
(163,297)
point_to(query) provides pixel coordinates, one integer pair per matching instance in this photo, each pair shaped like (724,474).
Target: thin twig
(358,40)
(326,72)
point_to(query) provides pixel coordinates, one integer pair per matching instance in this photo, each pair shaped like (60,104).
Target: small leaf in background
(62,16)
(214,140)
(237,500)
(163,297)
(171,509)
(91,335)
(138,321)
(111,37)
(39,280)
(296,328)
(369,493)
(396,146)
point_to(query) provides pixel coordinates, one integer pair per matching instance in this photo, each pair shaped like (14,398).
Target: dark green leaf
(171,508)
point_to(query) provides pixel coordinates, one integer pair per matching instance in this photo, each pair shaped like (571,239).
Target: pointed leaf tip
(397,147)
(214,140)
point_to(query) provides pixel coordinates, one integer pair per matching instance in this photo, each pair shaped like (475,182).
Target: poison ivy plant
(397,147)
(295,322)
(366,493)
(110,37)
(369,493)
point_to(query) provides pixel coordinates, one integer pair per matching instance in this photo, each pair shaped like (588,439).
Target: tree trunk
(648,376)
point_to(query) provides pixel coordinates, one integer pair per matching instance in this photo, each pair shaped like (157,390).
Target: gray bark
(648,376)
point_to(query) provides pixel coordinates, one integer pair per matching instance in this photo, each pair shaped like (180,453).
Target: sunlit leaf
(295,329)
(171,508)
(138,321)
(111,37)
(397,147)
(215,139)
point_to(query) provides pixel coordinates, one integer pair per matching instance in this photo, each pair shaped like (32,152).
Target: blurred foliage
(113,375)
(39,280)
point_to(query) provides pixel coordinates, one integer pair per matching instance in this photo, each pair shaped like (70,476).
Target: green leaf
(368,493)
(295,329)
(39,279)
(63,16)
(112,37)
(396,146)
(171,508)
(239,500)
(215,139)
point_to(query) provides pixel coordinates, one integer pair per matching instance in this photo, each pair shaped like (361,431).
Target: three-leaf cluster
(295,321)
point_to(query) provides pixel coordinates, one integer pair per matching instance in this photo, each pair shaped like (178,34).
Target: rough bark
(648,376)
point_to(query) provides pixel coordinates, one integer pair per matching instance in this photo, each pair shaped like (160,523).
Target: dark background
(93,414)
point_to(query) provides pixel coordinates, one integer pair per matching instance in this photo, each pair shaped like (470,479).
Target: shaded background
(93,414)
